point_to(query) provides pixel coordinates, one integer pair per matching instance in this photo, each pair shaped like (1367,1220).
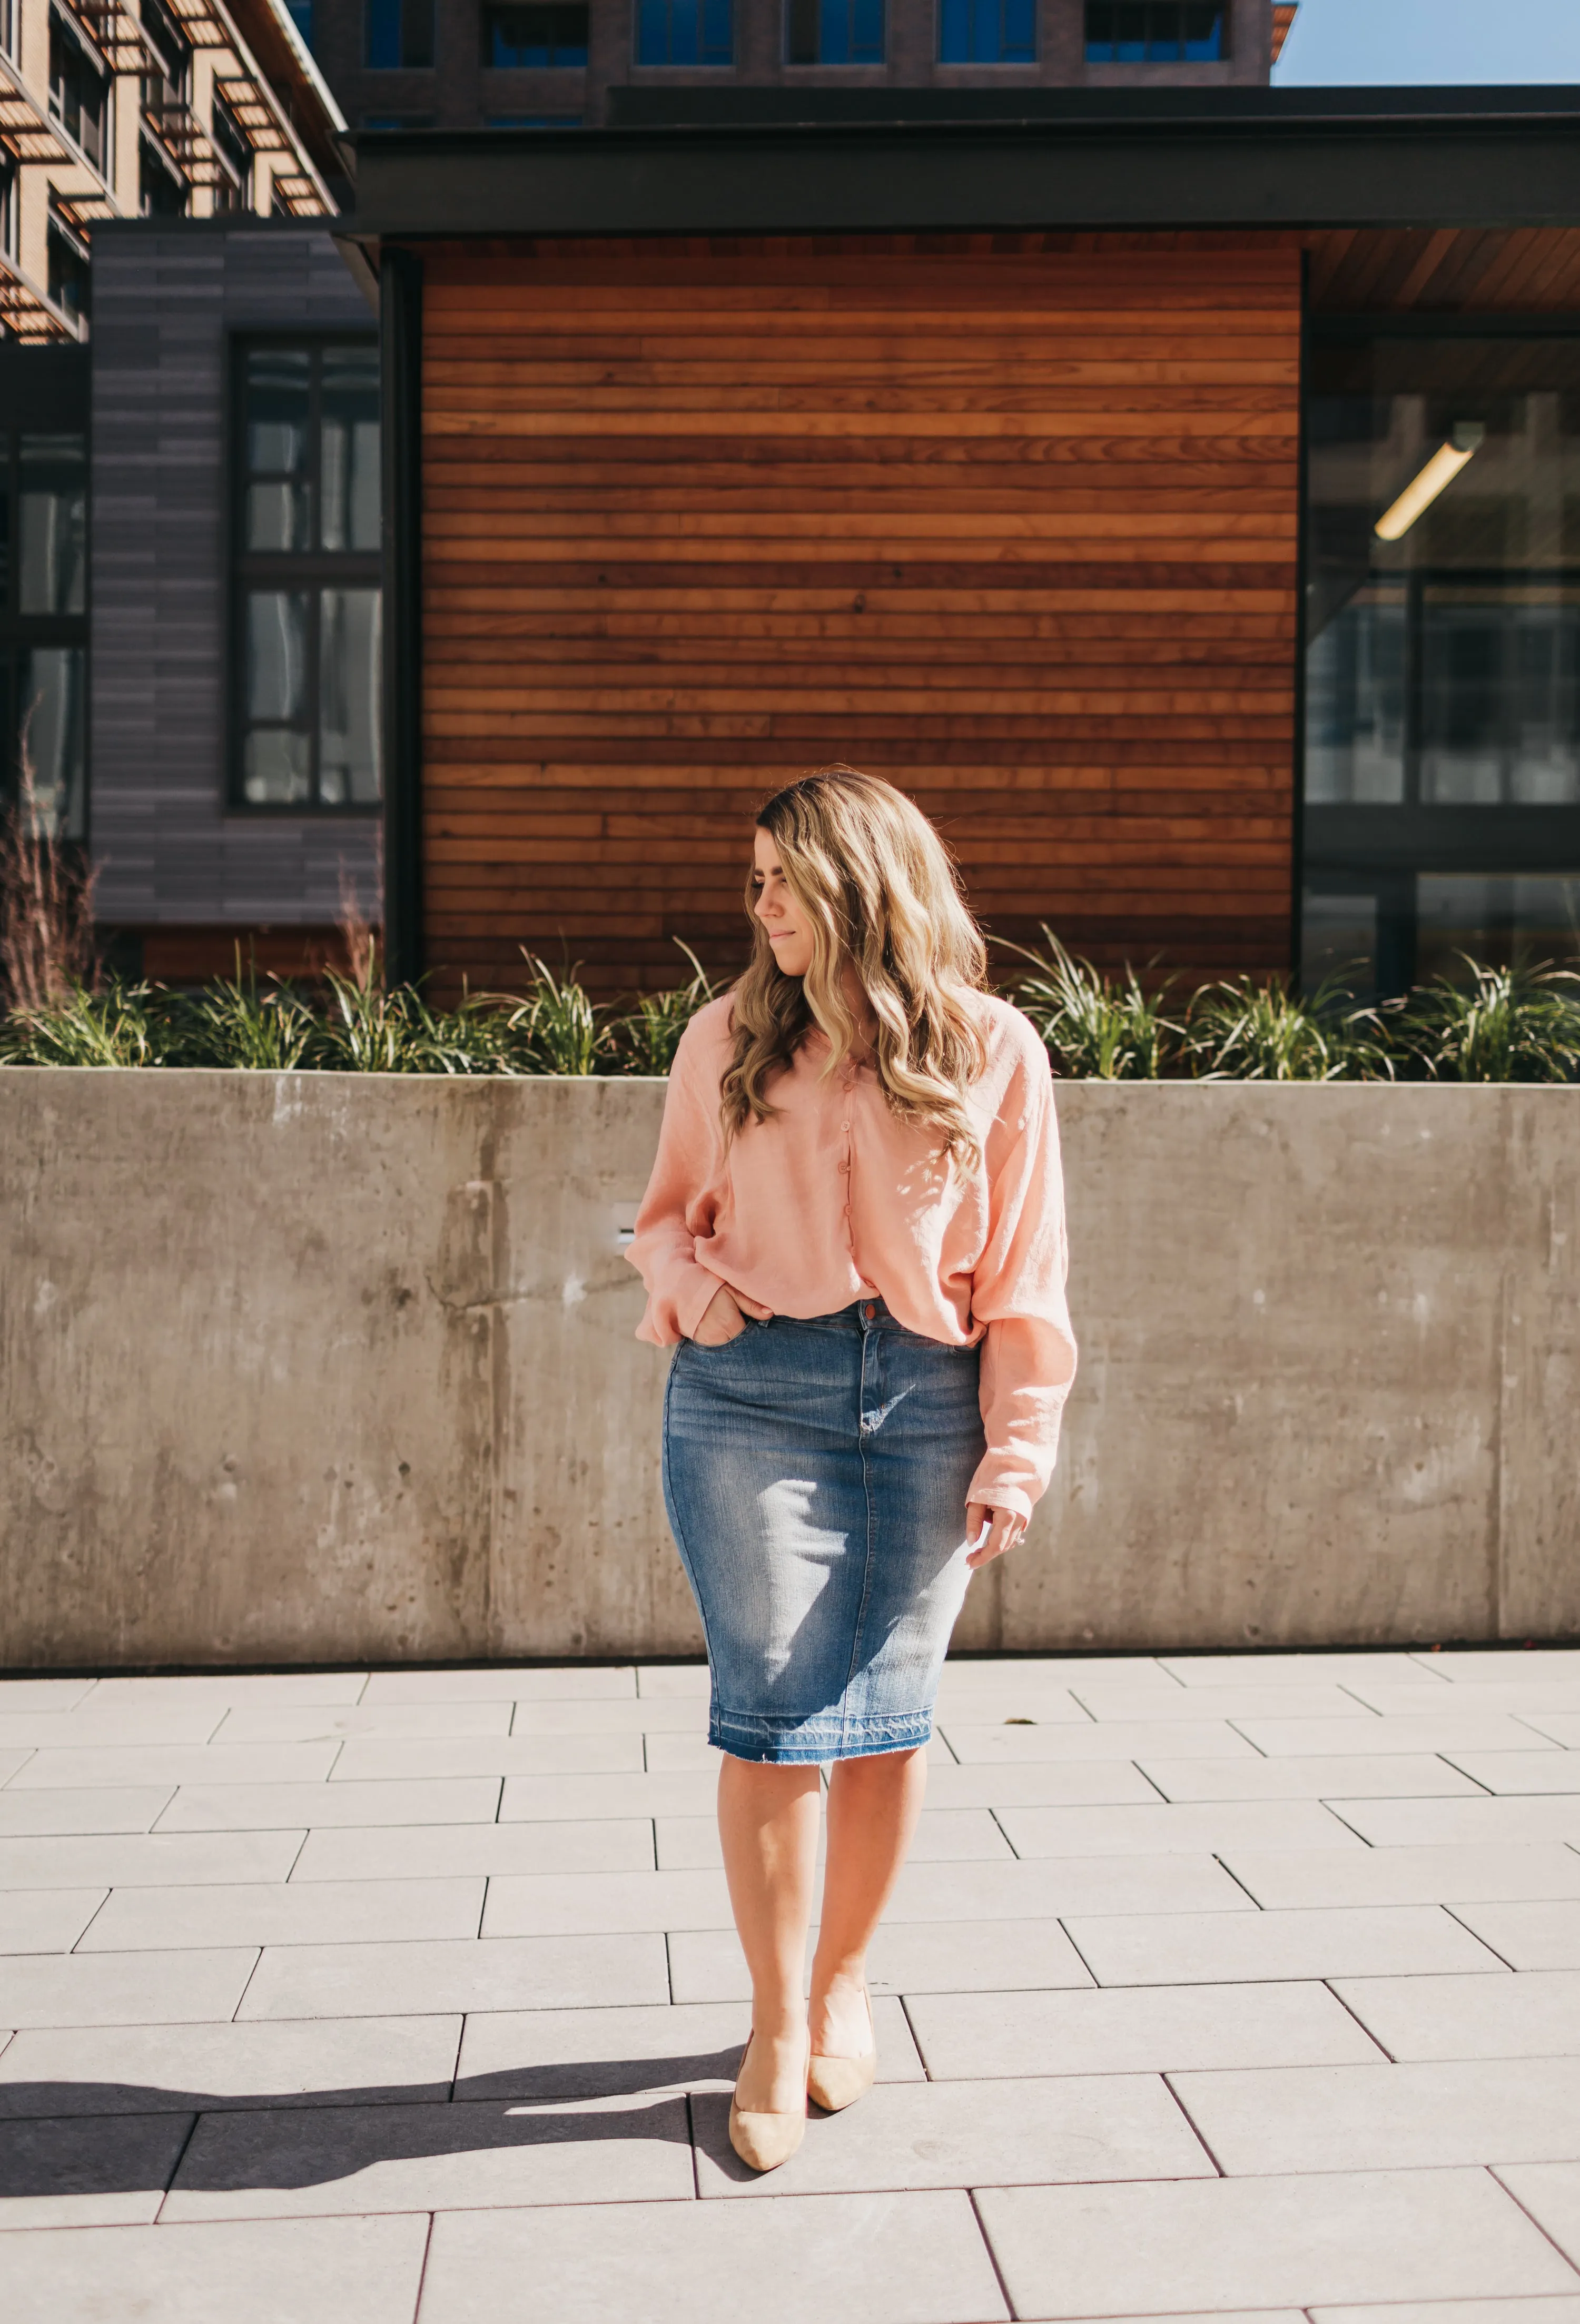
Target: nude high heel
(765,2141)
(836,2083)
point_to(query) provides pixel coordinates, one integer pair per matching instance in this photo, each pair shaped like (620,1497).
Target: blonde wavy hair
(880,893)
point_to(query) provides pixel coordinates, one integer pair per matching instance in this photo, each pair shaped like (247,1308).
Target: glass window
(234,190)
(307,625)
(69,276)
(835,31)
(533,121)
(53,494)
(399,35)
(300,13)
(535,37)
(987,33)
(1442,713)
(685,32)
(1156,31)
(80,94)
(53,727)
(160,193)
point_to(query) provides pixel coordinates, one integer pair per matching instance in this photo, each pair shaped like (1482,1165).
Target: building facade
(454,64)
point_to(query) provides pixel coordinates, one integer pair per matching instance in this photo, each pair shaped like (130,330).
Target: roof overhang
(885,162)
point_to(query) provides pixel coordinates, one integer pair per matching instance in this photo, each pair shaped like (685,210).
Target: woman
(855,1233)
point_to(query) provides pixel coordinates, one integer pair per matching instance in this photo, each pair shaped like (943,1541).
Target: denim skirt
(814,1475)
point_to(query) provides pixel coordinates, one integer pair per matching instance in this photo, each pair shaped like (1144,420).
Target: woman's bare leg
(873,1807)
(768,1825)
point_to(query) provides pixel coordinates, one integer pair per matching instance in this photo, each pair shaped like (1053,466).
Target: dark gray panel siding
(164,299)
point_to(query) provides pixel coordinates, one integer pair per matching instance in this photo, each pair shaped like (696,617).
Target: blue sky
(1394,41)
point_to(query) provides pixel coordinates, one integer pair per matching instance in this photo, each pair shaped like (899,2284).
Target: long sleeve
(1018,1291)
(678,1207)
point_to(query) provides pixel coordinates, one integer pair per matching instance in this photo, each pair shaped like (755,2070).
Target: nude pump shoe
(765,2141)
(836,2083)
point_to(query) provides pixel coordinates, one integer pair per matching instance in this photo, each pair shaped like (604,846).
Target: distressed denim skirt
(814,1475)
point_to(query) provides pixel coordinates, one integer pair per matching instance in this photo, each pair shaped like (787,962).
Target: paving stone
(690,1680)
(1534,2015)
(258,1807)
(1209,1828)
(863,2259)
(1560,2309)
(12,1758)
(1358,1775)
(222,1688)
(380,1980)
(378,1722)
(1550,2192)
(314,2272)
(563,1903)
(362,1761)
(86,2172)
(1135,2029)
(1052,1670)
(1279,1877)
(301,2161)
(102,1808)
(1452,1729)
(1255,1702)
(168,1988)
(1055,1886)
(1387,2117)
(305,1912)
(574,2054)
(1008,1697)
(1518,1696)
(665,1754)
(943,1836)
(529,1798)
(107,1726)
(440,1851)
(155,1859)
(1317,1668)
(1528,1936)
(923,1956)
(1513,1772)
(1456,1824)
(1474,1666)
(1218,2316)
(50,1920)
(44,1693)
(1237,2243)
(1040,1783)
(660,1714)
(969,2135)
(1561,1726)
(1220,1948)
(178,1763)
(1131,1739)
(568,1682)
(195,2069)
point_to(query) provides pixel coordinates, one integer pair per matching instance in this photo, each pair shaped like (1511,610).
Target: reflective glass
(54,726)
(1530,916)
(348,697)
(278,399)
(278,517)
(53,495)
(1354,707)
(348,440)
(1338,940)
(276,678)
(274,766)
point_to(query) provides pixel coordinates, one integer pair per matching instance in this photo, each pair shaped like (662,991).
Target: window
(987,33)
(1156,31)
(43,626)
(234,189)
(1442,721)
(160,193)
(307,619)
(533,121)
(685,32)
(399,35)
(300,13)
(66,257)
(171,80)
(80,94)
(834,33)
(534,37)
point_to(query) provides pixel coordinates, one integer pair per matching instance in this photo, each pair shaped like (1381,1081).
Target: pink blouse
(834,1200)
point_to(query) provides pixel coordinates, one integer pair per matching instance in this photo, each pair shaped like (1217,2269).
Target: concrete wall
(320,1368)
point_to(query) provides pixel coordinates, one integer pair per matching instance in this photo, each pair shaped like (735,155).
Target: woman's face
(776,908)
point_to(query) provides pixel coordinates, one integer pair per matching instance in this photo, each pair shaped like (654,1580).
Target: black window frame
(988,7)
(1166,23)
(22,633)
(314,570)
(418,36)
(811,10)
(560,18)
(67,39)
(670,62)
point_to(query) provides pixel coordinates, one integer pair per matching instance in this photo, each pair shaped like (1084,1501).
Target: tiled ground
(1217,1986)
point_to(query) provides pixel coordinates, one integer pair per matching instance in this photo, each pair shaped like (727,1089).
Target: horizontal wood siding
(1016,527)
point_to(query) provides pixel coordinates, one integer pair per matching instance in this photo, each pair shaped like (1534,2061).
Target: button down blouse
(834,1200)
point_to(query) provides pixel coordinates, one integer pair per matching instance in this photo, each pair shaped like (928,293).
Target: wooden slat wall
(1014,523)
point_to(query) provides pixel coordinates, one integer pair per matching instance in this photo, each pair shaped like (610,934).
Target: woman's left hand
(1004,1528)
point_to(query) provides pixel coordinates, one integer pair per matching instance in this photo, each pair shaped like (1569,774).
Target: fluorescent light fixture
(1445,463)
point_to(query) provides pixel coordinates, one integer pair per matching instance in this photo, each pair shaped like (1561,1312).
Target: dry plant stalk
(46,908)
(357,934)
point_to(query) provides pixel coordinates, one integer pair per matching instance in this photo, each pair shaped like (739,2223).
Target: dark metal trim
(1082,159)
(1491,839)
(1298,786)
(401,370)
(1511,325)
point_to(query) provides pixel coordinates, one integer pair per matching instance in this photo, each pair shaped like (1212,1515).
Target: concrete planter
(318,1368)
